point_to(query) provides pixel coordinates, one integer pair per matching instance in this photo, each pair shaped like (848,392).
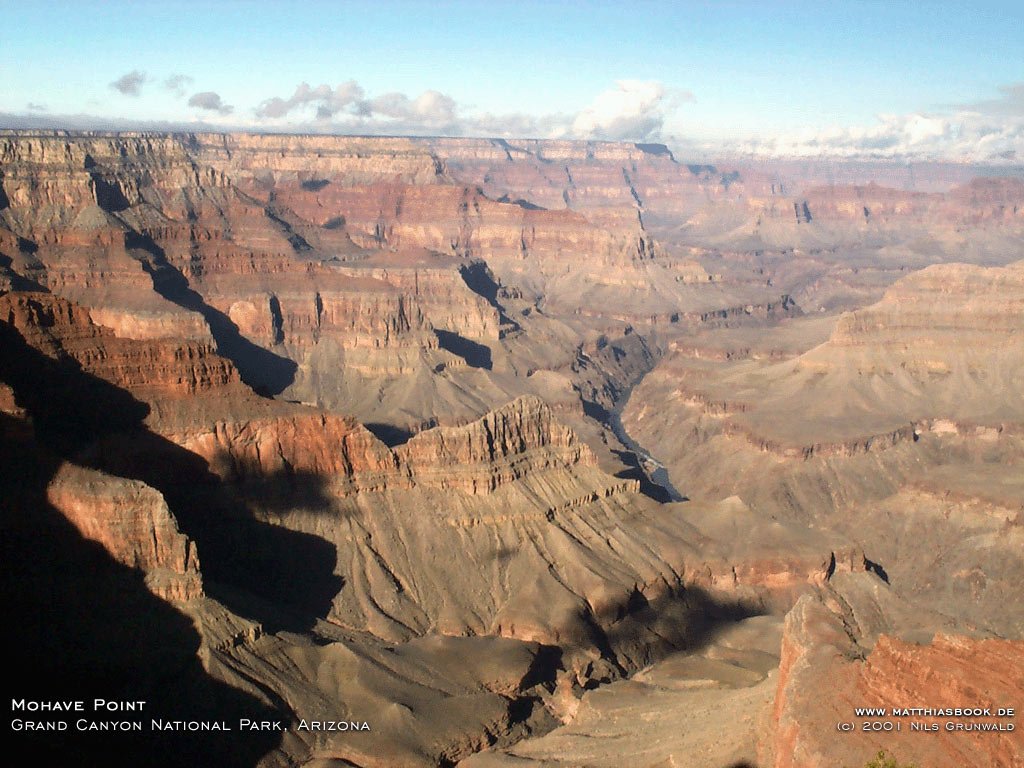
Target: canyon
(522,452)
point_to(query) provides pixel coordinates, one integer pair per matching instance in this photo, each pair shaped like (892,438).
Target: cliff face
(245,437)
(154,368)
(293,256)
(897,424)
(938,310)
(298,256)
(981,201)
(515,497)
(600,179)
(133,523)
(840,642)
(505,444)
(244,202)
(943,343)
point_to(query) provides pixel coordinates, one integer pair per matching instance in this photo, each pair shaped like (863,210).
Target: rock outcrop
(842,642)
(133,523)
(155,368)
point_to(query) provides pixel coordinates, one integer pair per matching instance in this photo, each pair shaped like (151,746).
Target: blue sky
(753,74)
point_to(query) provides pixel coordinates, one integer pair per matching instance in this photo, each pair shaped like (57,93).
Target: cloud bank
(631,110)
(327,101)
(982,131)
(993,135)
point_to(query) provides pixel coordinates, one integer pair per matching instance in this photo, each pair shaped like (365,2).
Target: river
(659,475)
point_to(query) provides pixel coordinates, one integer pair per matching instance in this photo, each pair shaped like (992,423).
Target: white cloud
(429,108)
(325,100)
(346,108)
(993,135)
(631,110)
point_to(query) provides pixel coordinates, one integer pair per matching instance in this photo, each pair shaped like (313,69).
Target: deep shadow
(389,434)
(82,625)
(18,282)
(109,196)
(26,245)
(635,472)
(281,219)
(877,569)
(700,170)
(314,185)
(730,178)
(526,205)
(595,411)
(261,369)
(638,632)
(277,317)
(479,279)
(281,578)
(655,149)
(476,355)
(544,668)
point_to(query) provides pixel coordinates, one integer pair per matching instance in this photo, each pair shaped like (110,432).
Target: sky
(915,79)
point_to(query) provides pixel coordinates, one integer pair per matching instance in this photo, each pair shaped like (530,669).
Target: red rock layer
(477,458)
(132,521)
(158,368)
(981,201)
(462,221)
(827,671)
(298,441)
(503,446)
(243,437)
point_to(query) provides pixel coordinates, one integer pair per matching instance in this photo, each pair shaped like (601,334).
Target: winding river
(658,475)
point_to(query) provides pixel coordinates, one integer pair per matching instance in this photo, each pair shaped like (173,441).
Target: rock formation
(843,642)
(498,445)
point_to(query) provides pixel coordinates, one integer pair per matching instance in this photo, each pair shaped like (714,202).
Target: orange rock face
(299,442)
(502,446)
(157,368)
(133,523)
(836,659)
(957,672)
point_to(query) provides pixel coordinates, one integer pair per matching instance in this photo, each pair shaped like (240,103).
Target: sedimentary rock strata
(498,445)
(847,642)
